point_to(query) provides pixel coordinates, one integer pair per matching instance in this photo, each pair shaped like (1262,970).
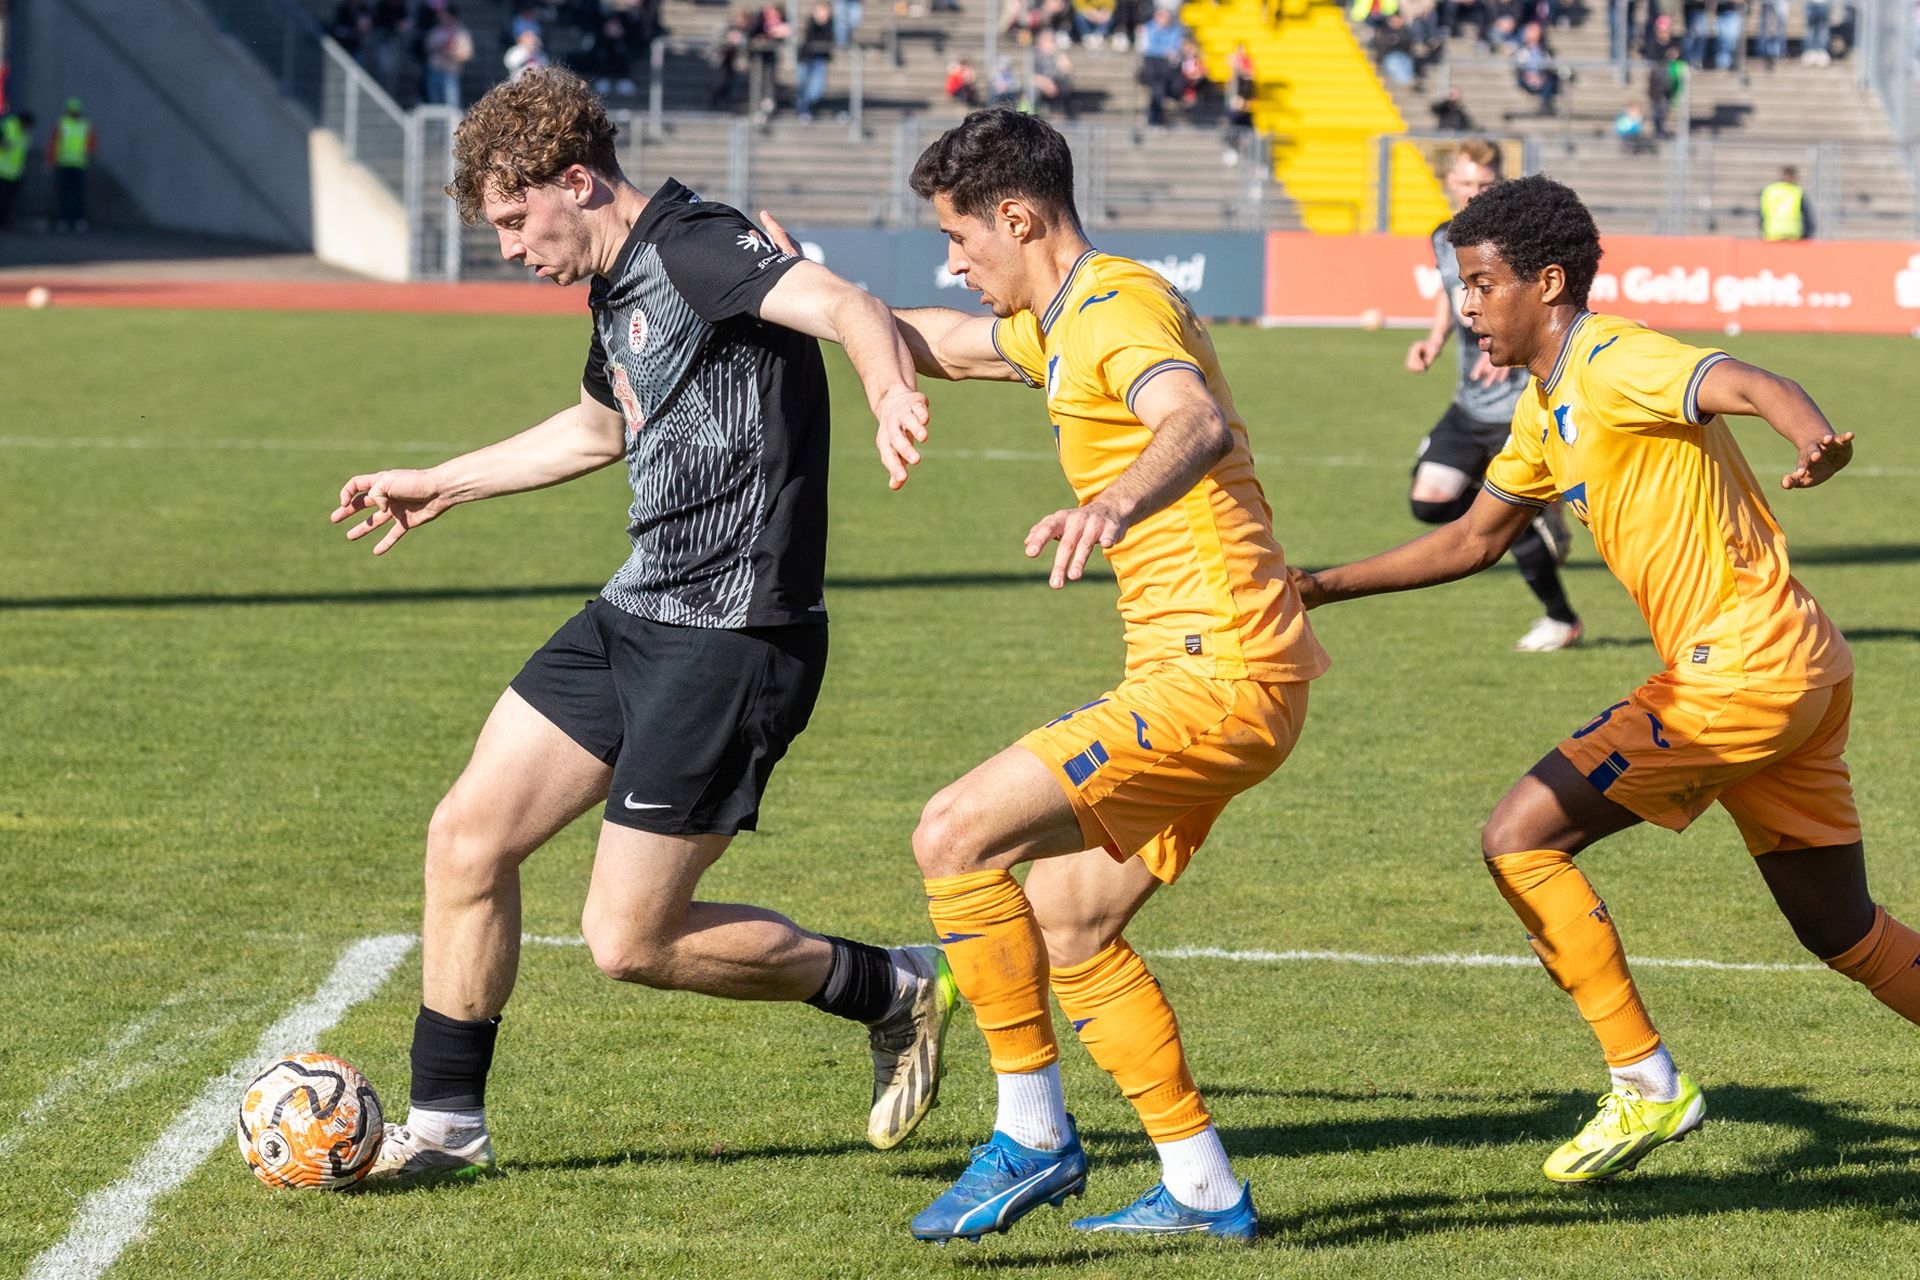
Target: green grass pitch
(222,730)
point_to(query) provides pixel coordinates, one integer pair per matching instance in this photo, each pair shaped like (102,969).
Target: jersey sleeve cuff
(1155,370)
(1513,499)
(1011,362)
(1692,405)
(603,393)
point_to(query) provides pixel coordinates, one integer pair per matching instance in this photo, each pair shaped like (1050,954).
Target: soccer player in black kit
(672,695)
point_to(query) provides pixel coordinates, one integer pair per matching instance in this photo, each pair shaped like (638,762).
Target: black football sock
(1542,574)
(859,983)
(451,1059)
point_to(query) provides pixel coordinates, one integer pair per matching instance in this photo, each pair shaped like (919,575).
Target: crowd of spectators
(424,51)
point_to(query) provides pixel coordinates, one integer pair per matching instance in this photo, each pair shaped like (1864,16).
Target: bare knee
(1505,832)
(948,840)
(625,956)
(464,854)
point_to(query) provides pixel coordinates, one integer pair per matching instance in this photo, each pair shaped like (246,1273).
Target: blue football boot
(1157,1213)
(1003,1183)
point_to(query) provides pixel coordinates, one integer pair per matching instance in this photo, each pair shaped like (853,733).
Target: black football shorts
(1463,443)
(691,719)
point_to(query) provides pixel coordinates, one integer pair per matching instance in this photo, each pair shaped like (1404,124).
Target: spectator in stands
(16,140)
(351,26)
(1160,43)
(525,54)
(816,50)
(1698,18)
(1052,76)
(727,53)
(1450,114)
(1730,23)
(1667,73)
(449,47)
(1770,36)
(1374,13)
(1243,87)
(1193,72)
(764,38)
(1423,24)
(386,45)
(1503,35)
(1534,69)
(1819,31)
(1126,23)
(607,59)
(1093,22)
(1003,86)
(526,17)
(1393,50)
(963,83)
(69,155)
(1630,126)
(1783,208)
(847,17)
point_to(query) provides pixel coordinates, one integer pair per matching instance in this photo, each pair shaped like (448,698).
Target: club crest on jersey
(637,333)
(1053,375)
(1563,422)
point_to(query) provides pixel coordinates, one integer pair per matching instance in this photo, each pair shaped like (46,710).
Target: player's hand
(1307,585)
(1422,354)
(1820,459)
(1080,530)
(903,424)
(1485,371)
(402,499)
(782,239)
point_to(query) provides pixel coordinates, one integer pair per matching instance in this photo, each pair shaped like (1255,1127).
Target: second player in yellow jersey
(1753,704)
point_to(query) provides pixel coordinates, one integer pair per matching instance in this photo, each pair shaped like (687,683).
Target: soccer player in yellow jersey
(1752,709)
(1109,800)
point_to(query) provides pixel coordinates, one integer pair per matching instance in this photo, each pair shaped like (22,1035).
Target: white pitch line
(1467,960)
(110,1218)
(1462,960)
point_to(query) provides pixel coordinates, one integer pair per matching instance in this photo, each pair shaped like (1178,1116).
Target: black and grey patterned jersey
(727,425)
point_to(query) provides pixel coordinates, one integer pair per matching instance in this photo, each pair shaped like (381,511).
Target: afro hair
(1533,223)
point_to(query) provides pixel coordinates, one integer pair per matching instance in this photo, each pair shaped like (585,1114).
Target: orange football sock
(1128,1027)
(999,960)
(1883,962)
(1573,934)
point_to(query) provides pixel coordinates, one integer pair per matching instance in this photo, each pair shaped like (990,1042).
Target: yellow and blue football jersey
(1203,579)
(1674,509)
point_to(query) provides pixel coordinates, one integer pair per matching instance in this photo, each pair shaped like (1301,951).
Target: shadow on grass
(442,595)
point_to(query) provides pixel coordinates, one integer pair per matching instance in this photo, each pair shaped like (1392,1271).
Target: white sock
(448,1130)
(1654,1077)
(1033,1109)
(1197,1172)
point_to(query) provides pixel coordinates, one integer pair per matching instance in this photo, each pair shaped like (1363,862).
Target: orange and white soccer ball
(310,1121)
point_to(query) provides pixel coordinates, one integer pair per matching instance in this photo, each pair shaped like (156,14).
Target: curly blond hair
(527,132)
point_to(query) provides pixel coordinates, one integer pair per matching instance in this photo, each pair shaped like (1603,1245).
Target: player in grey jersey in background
(1455,454)
(672,695)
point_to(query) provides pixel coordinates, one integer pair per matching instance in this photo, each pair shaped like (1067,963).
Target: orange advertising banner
(1667,282)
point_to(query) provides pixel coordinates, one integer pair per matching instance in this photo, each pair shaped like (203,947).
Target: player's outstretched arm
(1735,387)
(1190,434)
(1456,550)
(944,343)
(580,438)
(811,299)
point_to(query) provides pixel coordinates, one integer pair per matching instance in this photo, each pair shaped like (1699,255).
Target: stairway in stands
(1321,102)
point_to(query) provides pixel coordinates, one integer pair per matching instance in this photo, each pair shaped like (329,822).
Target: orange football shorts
(1673,747)
(1149,765)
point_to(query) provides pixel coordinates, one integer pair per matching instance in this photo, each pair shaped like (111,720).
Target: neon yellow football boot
(1625,1130)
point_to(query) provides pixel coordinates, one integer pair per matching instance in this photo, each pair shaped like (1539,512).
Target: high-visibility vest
(71,138)
(13,149)
(1361,10)
(1781,216)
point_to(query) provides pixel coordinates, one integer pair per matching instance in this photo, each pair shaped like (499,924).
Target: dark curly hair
(1533,223)
(527,132)
(994,155)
